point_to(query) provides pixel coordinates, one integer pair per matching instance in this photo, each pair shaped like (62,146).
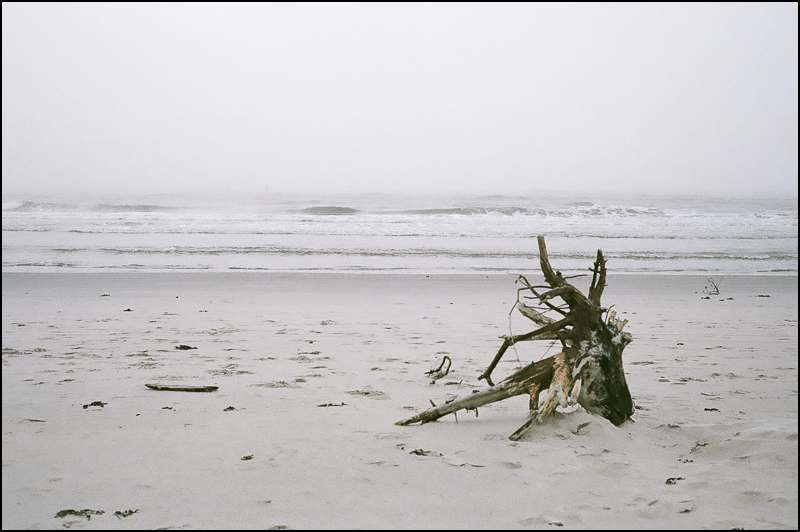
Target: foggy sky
(399,98)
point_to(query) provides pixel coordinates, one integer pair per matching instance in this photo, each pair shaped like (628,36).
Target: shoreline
(532,272)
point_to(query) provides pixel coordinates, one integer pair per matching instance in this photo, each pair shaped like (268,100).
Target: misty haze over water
(410,99)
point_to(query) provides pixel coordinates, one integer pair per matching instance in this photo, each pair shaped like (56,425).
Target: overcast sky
(400,98)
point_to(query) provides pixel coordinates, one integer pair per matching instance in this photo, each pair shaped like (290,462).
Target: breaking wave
(330,210)
(38,206)
(434,252)
(579,208)
(45,206)
(124,207)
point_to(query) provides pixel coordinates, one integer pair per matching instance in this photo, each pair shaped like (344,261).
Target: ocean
(397,234)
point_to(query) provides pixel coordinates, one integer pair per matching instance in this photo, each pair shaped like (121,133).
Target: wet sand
(713,445)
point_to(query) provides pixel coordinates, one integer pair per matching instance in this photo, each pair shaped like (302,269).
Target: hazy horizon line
(255,194)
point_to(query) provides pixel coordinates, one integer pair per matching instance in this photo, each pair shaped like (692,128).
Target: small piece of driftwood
(172,388)
(439,373)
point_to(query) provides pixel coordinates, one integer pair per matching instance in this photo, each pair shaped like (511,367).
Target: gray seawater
(372,233)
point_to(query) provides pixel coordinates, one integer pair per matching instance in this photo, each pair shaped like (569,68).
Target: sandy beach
(713,443)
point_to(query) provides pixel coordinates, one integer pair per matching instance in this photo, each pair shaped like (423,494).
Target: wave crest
(329,210)
(40,206)
(124,207)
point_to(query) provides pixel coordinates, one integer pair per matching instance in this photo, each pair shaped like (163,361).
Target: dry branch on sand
(588,370)
(712,287)
(441,371)
(176,388)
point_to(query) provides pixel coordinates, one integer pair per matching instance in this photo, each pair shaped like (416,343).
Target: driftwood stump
(588,370)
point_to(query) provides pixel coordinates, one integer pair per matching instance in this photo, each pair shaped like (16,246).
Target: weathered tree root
(588,370)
